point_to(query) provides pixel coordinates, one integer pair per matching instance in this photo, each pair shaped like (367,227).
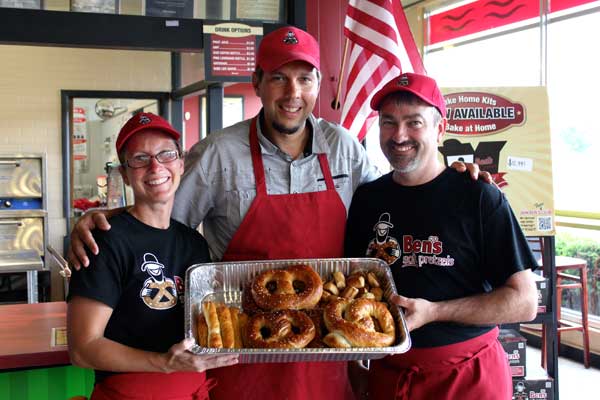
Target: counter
(26,335)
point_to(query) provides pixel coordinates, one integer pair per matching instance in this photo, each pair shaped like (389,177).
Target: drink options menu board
(230,50)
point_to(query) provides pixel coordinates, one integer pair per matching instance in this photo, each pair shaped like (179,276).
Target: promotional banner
(506,131)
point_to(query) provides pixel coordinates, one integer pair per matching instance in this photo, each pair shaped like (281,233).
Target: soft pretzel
(378,293)
(294,288)
(202,330)
(220,326)
(372,279)
(340,280)
(226,325)
(281,329)
(358,284)
(353,323)
(316,315)
(248,304)
(212,321)
(243,322)
(237,330)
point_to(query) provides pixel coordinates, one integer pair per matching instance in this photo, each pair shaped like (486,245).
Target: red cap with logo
(421,86)
(285,45)
(143,122)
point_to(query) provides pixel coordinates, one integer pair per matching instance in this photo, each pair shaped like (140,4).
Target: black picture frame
(244,11)
(29,4)
(95,6)
(170,8)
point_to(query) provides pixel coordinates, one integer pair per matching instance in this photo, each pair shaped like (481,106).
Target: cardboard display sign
(506,131)
(515,346)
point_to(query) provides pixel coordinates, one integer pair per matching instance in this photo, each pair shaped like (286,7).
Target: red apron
(305,225)
(472,370)
(153,386)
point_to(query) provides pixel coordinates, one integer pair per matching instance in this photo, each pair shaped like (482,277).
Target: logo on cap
(145,120)
(290,38)
(403,81)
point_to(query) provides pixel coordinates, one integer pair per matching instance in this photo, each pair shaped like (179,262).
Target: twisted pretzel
(358,323)
(280,330)
(294,288)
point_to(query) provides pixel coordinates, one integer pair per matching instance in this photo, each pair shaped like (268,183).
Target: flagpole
(336,102)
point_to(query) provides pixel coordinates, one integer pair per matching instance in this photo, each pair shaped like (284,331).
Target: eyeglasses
(143,160)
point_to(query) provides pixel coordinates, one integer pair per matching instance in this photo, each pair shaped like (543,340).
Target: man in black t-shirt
(461,264)
(125,315)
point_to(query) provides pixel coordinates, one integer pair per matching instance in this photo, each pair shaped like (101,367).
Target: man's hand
(81,237)
(179,358)
(417,312)
(473,170)
(515,301)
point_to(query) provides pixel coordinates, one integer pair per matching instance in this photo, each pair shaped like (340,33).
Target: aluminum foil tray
(224,281)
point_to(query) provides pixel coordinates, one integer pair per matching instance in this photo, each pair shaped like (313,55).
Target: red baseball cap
(143,122)
(421,86)
(285,45)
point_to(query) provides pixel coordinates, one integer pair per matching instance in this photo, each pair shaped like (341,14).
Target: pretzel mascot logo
(144,120)
(290,38)
(384,246)
(158,291)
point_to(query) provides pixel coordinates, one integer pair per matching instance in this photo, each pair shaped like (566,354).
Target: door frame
(67,97)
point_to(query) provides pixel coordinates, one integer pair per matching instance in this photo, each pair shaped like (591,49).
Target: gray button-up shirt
(218,186)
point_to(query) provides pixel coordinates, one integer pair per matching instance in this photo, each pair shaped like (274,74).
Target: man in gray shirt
(218,186)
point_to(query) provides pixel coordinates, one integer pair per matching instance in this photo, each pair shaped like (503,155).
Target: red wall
(190,127)
(252,106)
(325,21)
(252,103)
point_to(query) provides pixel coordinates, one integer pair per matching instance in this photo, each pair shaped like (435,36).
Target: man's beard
(285,130)
(402,164)
(407,167)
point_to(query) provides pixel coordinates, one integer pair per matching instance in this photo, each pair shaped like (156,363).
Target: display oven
(23,219)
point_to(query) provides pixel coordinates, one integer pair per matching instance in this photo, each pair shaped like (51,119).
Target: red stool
(566,268)
(571,273)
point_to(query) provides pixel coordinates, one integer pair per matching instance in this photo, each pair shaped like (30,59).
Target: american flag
(382,46)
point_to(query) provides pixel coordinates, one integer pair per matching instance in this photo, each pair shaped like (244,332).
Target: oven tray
(223,281)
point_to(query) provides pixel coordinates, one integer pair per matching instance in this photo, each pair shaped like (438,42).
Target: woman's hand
(179,358)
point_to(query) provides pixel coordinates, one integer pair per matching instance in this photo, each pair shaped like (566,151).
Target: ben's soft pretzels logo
(478,113)
(430,246)
(419,252)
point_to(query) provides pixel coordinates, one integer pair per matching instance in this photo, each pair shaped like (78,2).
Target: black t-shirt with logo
(449,238)
(139,273)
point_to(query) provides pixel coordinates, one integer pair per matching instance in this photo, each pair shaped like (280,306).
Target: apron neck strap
(257,164)
(326,171)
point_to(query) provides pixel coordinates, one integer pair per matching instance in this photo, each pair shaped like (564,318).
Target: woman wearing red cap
(125,315)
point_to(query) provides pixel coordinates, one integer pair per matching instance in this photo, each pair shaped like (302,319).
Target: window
(519,53)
